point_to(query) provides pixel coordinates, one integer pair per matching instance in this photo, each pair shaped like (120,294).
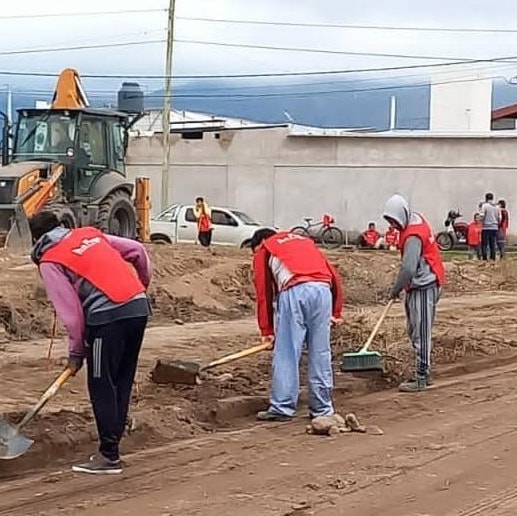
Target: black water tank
(131,98)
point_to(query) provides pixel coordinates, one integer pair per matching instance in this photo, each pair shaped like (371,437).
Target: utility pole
(166,114)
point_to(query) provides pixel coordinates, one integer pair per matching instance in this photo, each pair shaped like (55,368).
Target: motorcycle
(455,233)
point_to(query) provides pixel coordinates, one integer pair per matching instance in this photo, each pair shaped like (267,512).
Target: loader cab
(90,143)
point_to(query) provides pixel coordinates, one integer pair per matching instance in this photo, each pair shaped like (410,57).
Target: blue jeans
(303,316)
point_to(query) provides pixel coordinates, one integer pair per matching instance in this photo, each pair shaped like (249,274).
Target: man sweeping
(421,276)
(290,269)
(97,284)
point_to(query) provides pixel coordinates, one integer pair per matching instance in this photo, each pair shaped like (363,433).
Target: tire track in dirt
(187,464)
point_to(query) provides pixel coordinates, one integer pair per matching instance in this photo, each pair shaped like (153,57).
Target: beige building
(280,174)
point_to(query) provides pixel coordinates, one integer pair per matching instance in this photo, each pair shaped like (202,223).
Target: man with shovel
(97,284)
(308,292)
(421,276)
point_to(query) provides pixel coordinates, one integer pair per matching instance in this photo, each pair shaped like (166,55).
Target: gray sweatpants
(420,312)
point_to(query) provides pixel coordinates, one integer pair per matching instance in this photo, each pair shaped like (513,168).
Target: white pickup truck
(177,224)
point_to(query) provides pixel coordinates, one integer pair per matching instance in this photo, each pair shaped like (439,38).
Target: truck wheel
(117,215)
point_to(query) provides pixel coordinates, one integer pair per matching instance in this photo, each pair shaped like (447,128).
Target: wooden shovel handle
(237,356)
(377,325)
(51,391)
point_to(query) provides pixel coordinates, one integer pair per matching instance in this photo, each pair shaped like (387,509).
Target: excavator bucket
(14,228)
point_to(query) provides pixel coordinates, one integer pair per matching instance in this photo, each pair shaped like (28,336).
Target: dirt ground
(197,450)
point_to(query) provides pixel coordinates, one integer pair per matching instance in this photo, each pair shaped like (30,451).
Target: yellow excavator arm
(69,92)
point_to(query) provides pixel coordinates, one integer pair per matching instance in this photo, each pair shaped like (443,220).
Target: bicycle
(330,236)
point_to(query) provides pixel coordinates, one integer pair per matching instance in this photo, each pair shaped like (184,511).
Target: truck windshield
(45,136)
(246,219)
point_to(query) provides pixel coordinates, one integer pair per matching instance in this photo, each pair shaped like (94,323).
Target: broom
(364,360)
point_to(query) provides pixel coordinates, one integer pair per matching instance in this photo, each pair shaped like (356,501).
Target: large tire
(65,215)
(445,241)
(332,238)
(300,230)
(117,215)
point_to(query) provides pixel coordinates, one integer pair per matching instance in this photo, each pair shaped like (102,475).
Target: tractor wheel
(66,217)
(117,215)
(445,241)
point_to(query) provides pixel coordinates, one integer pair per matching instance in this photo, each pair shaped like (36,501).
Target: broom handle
(377,326)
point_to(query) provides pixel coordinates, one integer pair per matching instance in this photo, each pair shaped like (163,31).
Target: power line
(79,47)
(321,51)
(70,15)
(494,60)
(350,26)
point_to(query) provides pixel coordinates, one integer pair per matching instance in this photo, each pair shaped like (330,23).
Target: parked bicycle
(330,236)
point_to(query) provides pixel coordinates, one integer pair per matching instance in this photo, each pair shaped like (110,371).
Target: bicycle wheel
(332,237)
(300,230)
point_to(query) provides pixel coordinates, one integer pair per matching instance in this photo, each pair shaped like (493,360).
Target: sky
(27,25)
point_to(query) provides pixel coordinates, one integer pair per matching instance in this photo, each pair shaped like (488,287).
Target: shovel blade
(12,443)
(176,371)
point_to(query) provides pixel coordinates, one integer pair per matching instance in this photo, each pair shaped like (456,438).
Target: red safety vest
(87,253)
(391,237)
(371,236)
(299,255)
(430,249)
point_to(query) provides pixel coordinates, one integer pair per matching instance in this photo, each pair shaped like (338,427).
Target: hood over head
(47,241)
(397,209)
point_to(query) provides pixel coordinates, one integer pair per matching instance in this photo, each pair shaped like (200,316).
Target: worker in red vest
(421,275)
(391,238)
(370,238)
(97,284)
(290,269)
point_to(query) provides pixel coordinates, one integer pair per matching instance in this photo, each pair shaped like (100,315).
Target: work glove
(74,363)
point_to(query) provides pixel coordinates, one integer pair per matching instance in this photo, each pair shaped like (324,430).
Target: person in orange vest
(421,276)
(504,223)
(371,238)
(97,284)
(203,215)
(290,269)
(474,237)
(391,238)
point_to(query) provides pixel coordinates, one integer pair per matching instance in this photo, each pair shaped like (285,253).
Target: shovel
(12,442)
(180,371)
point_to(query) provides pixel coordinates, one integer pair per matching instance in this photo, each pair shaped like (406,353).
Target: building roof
(505,112)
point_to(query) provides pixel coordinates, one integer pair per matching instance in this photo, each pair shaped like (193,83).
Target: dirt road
(198,451)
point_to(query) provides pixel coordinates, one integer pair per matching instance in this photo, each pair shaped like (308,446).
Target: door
(187,225)
(226,228)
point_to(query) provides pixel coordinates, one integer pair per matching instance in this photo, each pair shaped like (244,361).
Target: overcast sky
(190,58)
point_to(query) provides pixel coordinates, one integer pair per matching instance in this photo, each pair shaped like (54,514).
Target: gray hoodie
(415,272)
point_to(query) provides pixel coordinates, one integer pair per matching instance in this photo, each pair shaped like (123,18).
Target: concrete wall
(279,178)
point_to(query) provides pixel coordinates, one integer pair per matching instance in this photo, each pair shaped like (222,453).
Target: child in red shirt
(474,237)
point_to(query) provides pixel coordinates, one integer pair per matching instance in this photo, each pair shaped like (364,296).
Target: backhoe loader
(71,159)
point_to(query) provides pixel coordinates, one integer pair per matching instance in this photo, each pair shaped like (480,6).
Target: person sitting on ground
(203,215)
(504,222)
(391,238)
(474,237)
(290,269)
(371,238)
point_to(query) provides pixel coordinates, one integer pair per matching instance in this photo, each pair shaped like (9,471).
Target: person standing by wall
(474,237)
(504,223)
(203,215)
(490,216)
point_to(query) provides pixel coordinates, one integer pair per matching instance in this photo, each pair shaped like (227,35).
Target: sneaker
(428,379)
(99,465)
(271,416)
(416,385)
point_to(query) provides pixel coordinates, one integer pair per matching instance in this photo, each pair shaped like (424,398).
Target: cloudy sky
(27,25)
